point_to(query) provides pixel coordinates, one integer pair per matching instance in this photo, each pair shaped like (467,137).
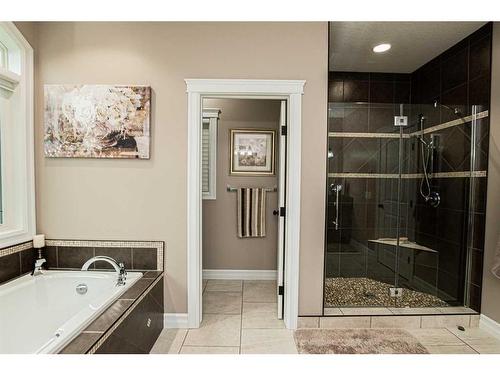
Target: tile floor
(239,317)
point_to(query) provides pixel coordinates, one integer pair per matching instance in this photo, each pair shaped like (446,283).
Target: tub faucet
(37,270)
(119,267)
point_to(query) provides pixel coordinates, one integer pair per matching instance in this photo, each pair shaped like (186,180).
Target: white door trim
(489,325)
(292,91)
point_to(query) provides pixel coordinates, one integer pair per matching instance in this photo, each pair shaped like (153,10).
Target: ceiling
(413,44)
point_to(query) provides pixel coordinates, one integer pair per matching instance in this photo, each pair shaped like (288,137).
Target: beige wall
(222,249)
(146,199)
(491,285)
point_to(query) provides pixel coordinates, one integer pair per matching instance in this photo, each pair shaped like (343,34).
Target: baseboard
(240,274)
(175,320)
(490,326)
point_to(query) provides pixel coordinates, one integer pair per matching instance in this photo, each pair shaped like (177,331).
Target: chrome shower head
(455,110)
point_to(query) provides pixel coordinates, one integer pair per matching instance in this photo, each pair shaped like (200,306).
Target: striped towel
(251,212)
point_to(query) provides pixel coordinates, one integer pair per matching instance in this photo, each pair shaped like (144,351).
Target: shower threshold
(365,292)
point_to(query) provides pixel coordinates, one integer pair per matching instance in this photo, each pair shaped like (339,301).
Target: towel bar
(233,189)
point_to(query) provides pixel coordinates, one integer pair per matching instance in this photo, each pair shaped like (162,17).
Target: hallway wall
(491,285)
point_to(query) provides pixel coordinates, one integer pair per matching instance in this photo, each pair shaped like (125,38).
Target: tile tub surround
(135,255)
(16,261)
(139,309)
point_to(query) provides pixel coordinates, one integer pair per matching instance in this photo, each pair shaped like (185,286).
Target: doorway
(243,151)
(288,92)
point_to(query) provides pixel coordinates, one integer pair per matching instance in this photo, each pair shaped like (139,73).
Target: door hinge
(281,290)
(282,211)
(283,130)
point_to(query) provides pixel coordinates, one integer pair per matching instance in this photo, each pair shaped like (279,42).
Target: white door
(281,206)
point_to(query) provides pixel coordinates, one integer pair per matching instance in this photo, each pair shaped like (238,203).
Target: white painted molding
(19,198)
(9,80)
(245,86)
(489,325)
(175,320)
(240,274)
(194,201)
(290,90)
(211,112)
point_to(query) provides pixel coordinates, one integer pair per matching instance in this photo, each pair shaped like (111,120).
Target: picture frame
(97,121)
(252,152)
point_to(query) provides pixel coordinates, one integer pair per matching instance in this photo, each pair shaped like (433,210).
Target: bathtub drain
(81,288)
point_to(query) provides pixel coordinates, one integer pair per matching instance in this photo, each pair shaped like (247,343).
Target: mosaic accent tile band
(16,248)
(410,175)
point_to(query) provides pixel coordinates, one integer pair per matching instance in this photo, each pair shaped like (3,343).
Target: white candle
(39,241)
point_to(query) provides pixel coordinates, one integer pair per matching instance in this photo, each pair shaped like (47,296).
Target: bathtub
(42,314)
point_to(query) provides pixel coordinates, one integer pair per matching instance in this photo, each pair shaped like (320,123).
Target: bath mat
(357,341)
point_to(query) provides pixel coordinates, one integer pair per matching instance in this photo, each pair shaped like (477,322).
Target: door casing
(289,90)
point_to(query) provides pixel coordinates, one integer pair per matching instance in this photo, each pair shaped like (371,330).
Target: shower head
(455,110)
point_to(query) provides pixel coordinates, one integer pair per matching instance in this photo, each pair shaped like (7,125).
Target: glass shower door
(362,209)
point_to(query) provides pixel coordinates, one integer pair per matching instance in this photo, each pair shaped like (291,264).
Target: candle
(39,241)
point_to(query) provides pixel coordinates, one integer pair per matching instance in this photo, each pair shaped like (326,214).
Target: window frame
(17,139)
(4,58)
(212,115)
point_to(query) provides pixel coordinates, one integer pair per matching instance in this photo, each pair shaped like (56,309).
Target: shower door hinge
(281,290)
(282,211)
(283,130)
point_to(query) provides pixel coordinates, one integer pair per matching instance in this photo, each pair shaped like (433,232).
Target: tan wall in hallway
(146,199)
(222,249)
(491,285)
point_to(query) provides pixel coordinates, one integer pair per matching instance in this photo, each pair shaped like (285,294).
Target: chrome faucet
(119,267)
(37,270)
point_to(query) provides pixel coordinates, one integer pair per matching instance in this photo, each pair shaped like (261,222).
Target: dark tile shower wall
(363,103)
(459,78)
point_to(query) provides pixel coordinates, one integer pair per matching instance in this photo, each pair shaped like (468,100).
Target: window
(17,206)
(209,152)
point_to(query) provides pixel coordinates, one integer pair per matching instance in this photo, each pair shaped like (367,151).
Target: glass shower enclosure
(406,191)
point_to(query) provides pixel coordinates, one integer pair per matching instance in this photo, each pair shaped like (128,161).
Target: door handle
(336,189)
(276,212)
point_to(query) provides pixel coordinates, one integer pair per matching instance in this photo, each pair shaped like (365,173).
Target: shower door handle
(336,189)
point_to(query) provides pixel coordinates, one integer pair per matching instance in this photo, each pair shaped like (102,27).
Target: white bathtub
(42,314)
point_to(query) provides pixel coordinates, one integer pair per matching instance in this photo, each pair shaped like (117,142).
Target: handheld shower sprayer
(426,149)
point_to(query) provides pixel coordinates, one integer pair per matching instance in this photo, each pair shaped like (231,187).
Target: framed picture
(252,152)
(97,121)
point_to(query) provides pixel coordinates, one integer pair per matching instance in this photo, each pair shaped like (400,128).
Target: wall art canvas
(97,121)
(252,152)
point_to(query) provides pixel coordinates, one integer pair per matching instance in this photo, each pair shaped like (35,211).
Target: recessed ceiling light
(383,47)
